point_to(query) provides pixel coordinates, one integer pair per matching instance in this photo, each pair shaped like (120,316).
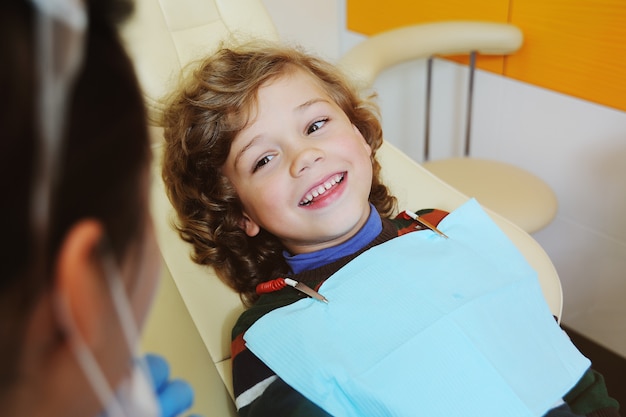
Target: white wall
(313,25)
(578,147)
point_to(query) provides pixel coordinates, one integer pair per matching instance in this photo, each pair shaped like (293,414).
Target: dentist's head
(79,261)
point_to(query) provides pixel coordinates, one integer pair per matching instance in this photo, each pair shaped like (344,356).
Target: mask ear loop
(120,301)
(88,362)
(92,370)
(60,27)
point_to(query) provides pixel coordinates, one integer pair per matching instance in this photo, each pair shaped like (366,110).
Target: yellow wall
(576,47)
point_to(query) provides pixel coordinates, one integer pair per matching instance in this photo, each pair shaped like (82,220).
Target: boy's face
(300,167)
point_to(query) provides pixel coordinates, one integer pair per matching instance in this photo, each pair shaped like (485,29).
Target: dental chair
(194,311)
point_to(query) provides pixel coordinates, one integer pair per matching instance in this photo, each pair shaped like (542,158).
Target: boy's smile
(301,169)
(320,193)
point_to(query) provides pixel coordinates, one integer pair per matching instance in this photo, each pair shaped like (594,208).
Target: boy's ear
(249,226)
(79,283)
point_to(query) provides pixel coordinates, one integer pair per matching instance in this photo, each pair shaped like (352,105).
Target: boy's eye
(262,162)
(316,126)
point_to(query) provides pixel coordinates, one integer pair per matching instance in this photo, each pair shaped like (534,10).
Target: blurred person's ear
(80,283)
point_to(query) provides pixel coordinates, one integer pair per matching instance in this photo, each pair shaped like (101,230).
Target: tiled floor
(609,364)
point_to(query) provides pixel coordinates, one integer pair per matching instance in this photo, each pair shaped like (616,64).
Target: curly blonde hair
(202,119)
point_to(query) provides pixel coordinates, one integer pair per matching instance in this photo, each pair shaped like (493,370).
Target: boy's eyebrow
(311,102)
(243,150)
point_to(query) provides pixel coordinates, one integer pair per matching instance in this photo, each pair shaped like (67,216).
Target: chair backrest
(163,37)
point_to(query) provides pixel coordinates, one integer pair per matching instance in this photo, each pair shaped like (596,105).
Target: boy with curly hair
(270,163)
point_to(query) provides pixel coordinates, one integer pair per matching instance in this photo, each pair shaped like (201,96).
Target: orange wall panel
(373,16)
(576,47)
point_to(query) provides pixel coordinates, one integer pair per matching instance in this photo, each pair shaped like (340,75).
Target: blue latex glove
(175,396)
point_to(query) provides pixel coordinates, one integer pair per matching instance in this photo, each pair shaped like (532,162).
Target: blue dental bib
(423,325)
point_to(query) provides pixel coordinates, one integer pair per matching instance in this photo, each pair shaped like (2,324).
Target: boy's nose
(305,159)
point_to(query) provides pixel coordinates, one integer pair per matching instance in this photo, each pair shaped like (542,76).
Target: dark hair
(202,120)
(104,159)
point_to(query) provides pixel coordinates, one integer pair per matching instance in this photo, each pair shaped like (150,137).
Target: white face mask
(135,396)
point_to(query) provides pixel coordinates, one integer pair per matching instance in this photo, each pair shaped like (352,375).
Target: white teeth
(321,189)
